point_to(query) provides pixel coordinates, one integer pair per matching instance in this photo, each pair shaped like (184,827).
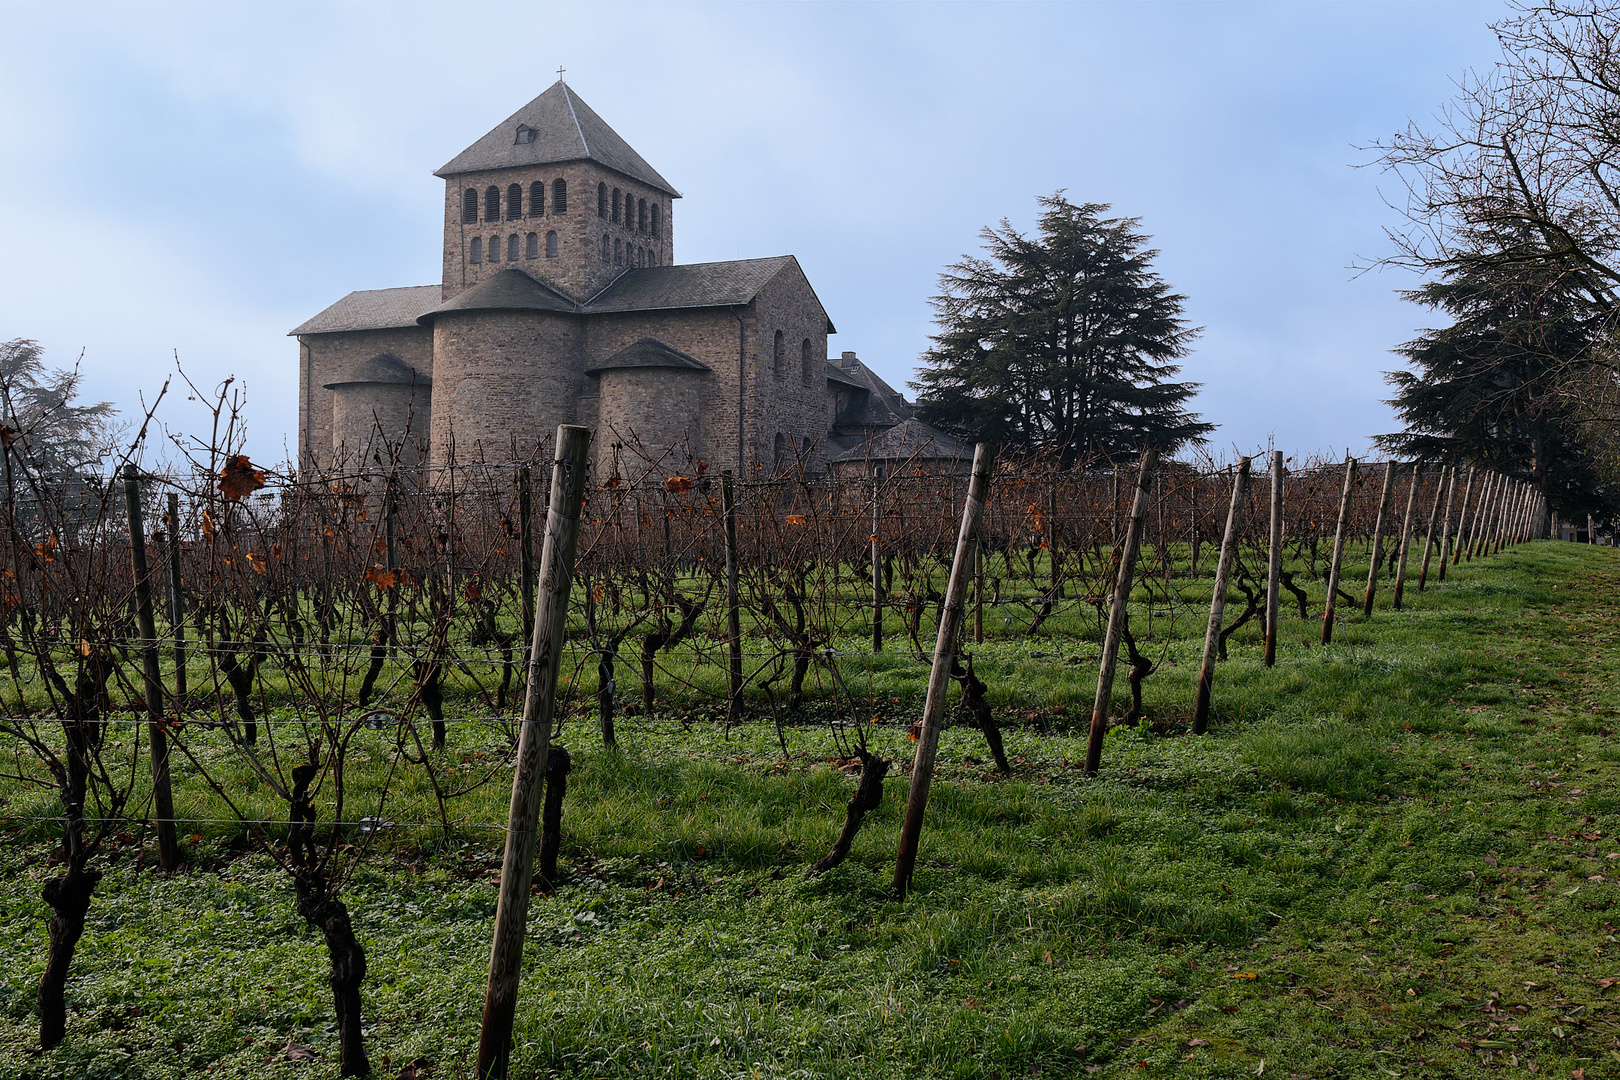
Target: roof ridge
(572,115)
(591,298)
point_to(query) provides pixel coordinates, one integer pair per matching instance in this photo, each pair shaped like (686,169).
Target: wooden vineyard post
(1274,562)
(540,690)
(1482,518)
(162,796)
(877,565)
(1462,520)
(177,604)
(1338,549)
(1473,515)
(978,591)
(1119,614)
(939,677)
(734,667)
(526,545)
(1406,537)
(1443,488)
(1378,538)
(1217,600)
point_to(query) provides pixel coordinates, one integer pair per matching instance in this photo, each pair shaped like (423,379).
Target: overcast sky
(198,179)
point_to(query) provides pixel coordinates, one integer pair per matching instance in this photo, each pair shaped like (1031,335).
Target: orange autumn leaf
(239,478)
(795,519)
(383,579)
(677,485)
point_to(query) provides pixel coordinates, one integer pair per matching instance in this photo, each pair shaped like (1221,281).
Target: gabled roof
(373,309)
(690,285)
(386,369)
(559,127)
(649,352)
(510,290)
(905,441)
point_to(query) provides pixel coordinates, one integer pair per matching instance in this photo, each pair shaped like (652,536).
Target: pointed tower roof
(553,128)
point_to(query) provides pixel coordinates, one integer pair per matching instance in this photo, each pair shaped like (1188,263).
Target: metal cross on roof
(560,70)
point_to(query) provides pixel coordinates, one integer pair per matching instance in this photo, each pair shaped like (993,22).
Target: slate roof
(565,129)
(908,440)
(689,285)
(385,368)
(509,290)
(373,309)
(649,352)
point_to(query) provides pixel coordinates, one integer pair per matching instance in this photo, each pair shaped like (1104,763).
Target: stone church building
(562,302)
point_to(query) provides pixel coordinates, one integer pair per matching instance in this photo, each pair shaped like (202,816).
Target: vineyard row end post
(1119,613)
(528,777)
(177,604)
(1217,600)
(734,665)
(1338,549)
(1457,544)
(1377,560)
(939,677)
(162,795)
(1406,537)
(1274,561)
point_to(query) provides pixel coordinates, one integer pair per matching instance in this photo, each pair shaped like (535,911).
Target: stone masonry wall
(329,358)
(707,334)
(373,419)
(790,400)
(503,378)
(645,411)
(578,270)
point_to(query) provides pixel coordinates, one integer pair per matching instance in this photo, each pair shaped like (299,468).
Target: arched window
(807,362)
(779,463)
(533,248)
(641,215)
(514,202)
(601,200)
(616,202)
(804,451)
(607,250)
(494,249)
(492,204)
(641,258)
(778,357)
(469,206)
(559,196)
(655,221)
(537,199)
(618,251)
(551,244)
(477,255)
(512,248)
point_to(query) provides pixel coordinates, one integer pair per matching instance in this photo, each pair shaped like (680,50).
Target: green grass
(1388,857)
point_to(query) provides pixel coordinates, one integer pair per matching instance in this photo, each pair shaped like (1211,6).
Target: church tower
(554,191)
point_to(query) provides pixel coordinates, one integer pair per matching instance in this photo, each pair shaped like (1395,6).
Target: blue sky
(196,179)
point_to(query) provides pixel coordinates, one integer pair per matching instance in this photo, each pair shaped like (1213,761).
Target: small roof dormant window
(525,134)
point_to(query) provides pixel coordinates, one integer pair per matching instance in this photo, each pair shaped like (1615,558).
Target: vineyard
(329,672)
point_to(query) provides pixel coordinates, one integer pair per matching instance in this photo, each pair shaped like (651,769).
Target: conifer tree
(1064,340)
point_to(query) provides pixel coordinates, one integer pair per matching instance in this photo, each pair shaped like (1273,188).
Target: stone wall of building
(645,412)
(706,334)
(330,358)
(503,381)
(578,269)
(792,390)
(372,421)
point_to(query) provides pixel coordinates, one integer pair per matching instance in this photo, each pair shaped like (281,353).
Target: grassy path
(1390,857)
